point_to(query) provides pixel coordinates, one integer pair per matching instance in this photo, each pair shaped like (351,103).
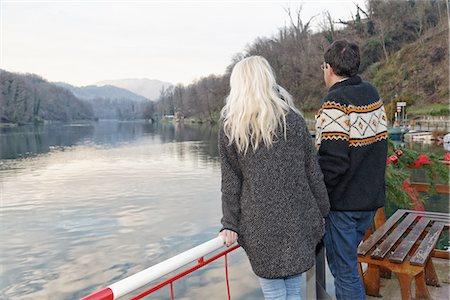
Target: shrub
(371,52)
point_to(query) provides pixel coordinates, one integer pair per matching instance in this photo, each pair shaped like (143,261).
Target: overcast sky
(86,41)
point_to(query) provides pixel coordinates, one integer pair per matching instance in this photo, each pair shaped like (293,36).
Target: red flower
(393,158)
(422,160)
(447,156)
(399,152)
(388,161)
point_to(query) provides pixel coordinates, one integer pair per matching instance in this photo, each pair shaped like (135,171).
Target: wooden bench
(404,245)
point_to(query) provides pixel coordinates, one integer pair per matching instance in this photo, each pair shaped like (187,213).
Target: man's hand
(229,237)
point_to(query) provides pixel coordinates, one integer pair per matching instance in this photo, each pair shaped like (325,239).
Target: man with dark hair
(352,141)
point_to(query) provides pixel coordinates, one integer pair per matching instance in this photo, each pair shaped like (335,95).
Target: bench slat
(436,216)
(426,213)
(443,219)
(380,232)
(402,251)
(427,245)
(390,241)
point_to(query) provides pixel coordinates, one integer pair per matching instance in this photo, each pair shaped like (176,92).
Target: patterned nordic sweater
(275,199)
(351,138)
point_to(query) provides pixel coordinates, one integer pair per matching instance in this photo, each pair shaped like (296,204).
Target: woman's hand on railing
(229,237)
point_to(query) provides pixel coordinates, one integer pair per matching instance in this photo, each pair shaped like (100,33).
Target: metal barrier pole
(321,293)
(311,283)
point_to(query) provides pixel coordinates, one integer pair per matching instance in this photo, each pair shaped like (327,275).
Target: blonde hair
(256,106)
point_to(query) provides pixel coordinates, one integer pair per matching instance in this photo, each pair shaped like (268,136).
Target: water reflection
(29,140)
(26,141)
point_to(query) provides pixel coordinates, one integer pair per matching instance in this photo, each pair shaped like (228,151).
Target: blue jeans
(281,289)
(344,231)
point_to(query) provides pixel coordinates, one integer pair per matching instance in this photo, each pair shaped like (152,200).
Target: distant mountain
(149,88)
(106,92)
(111,102)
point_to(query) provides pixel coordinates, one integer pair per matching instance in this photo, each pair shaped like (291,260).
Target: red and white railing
(315,277)
(138,280)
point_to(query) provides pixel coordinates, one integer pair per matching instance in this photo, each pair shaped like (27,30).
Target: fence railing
(157,271)
(315,277)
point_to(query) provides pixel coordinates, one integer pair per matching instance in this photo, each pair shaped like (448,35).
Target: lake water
(83,206)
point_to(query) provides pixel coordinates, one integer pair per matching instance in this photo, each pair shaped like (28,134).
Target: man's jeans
(344,231)
(281,289)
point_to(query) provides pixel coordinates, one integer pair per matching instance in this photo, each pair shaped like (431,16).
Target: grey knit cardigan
(275,199)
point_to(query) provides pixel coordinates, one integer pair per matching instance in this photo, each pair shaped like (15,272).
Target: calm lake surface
(85,205)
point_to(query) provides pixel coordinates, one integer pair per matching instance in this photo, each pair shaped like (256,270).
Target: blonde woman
(273,195)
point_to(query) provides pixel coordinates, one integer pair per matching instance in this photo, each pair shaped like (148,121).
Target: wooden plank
(404,267)
(427,213)
(436,219)
(421,287)
(390,241)
(402,251)
(445,222)
(371,281)
(380,218)
(443,219)
(430,274)
(427,245)
(405,281)
(435,216)
(441,254)
(380,232)
(424,187)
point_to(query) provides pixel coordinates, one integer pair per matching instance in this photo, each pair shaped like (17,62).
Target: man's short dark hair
(343,57)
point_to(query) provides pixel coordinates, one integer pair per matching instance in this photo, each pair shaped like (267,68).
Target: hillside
(28,98)
(418,73)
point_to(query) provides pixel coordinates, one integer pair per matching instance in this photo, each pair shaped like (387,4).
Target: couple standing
(280,196)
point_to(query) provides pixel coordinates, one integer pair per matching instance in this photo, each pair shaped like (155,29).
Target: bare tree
(327,26)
